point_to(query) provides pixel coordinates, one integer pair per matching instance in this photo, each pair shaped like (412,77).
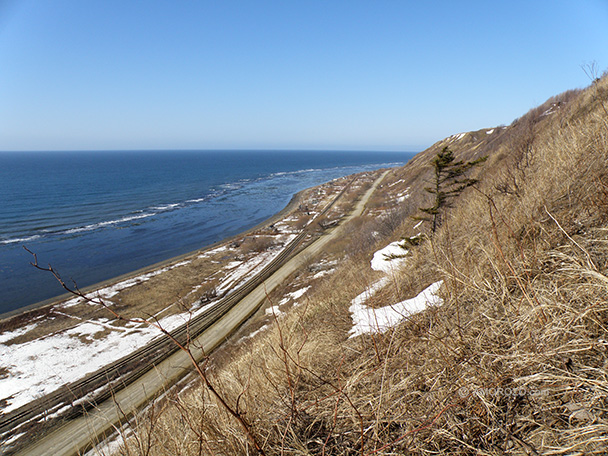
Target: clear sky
(377,74)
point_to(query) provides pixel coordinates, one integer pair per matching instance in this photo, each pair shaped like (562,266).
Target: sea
(97,215)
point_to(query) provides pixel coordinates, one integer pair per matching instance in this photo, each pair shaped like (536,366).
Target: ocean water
(97,215)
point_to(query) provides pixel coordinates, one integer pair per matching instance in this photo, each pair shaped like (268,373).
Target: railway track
(82,395)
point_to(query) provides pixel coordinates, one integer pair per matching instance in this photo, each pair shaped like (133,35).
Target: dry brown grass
(514,362)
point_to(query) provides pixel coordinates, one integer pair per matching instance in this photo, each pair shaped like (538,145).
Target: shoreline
(293,203)
(171,295)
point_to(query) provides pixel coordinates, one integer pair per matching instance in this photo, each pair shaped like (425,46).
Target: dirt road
(82,432)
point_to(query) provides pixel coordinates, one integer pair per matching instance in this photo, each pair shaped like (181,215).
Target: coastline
(296,199)
(96,239)
(171,295)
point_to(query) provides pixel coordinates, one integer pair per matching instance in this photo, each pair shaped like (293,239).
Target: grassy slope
(514,362)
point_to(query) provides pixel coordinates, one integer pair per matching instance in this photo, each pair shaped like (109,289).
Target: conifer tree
(449,181)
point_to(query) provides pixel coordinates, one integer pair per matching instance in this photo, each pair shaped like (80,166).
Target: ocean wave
(231,186)
(166,207)
(135,215)
(302,171)
(23,239)
(354,167)
(76,230)
(95,226)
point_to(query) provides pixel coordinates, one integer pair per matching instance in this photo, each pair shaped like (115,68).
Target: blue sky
(377,75)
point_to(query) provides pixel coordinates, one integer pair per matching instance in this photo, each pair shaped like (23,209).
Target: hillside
(509,357)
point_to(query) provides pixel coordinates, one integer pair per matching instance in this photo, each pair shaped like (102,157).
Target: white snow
(241,269)
(180,264)
(369,320)
(370,291)
(389,258)
(108,292)
(40,366)
(212,252)
(489,132)
(10,335)
(250,267)
(320,274)
(403,195)
(401,199)
(550,111)
(113,443)
(418,224)
(256,332)
(294,295)
(12,439)
(299,293)
(397,182)
(274,310)
(87,329)
(285,228)
(63,409)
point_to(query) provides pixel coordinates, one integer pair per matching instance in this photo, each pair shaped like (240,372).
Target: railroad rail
(97,387)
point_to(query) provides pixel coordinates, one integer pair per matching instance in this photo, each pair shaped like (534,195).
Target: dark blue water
(97,215)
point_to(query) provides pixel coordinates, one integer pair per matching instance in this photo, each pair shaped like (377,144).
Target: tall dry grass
(514,362)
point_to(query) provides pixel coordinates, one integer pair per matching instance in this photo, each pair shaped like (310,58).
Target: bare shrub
(391,221)
(257,243)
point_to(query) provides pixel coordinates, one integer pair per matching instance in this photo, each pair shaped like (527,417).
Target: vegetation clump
(449,181)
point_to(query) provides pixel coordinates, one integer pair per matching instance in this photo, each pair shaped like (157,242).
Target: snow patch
(299,293)
(320,274)
(274,310)
(180,264)
(389,258)
(86,329)
(9,335)
(294,295)
(112,444)
(369,292)
(250,267)
(13,439)
(111,291)
(213,252)
(41,366)
(240,270)
(551,110)
(369,320)
(256,332)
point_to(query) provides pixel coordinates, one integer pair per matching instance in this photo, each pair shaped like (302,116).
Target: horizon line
(278,149)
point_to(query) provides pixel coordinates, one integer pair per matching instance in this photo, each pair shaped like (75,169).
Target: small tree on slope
(449,181)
